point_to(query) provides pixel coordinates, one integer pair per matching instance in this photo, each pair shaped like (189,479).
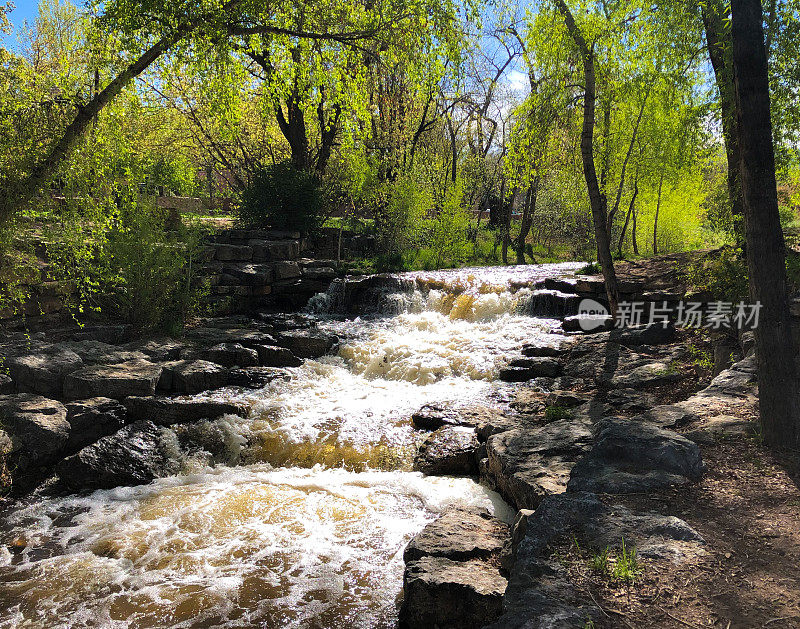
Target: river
(301,521)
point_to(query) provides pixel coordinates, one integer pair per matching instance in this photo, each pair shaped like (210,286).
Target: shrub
(151,274)
(283,197)
(554,412)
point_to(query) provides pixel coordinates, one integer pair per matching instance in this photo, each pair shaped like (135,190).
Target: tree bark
(527,219)
(655,221)
(627,218)
(717,31)
(779,394)
(597,197)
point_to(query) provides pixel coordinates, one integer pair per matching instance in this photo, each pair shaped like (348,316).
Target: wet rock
(165,411)
(42,368)
(449,450)
(524,369)
(256,377)
(135,377)
(37,428)
(525,465)
(631,456)
(439,592)
(307,343)
(545,351)
(134,455)
(192,376)
(433,416)
(460,535)
(92,419)
(274,356)
(232,354)
(282,321)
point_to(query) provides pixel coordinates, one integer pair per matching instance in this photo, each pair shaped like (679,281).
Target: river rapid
(302,519)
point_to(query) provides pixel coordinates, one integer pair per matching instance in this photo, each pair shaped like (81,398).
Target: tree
(779,393)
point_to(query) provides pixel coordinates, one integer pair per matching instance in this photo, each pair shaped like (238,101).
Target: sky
(23,10)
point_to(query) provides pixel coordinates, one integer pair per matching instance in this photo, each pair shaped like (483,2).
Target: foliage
(722,275)
(283,197)
(598,561)
(555,412)
(626,566)
(447,231)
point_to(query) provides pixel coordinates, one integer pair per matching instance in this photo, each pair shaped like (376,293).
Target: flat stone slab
(166,411)
(439,592)
(631,456)
(192,376)
(232,354)
(37,428)
(42,369)
(134,377)
(307,343)
(460,535)
(256,377)
(433,416)
(275,356)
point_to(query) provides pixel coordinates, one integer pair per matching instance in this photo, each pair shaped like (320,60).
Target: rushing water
(303,519)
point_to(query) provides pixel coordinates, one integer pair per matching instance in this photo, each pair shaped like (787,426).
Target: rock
(134,455)
(92,419)
(159,350)
(539,593)
(112,334)
(544,351)
(6,384)
(232,354)
(525,464)
(256,377)
(134,377)
(37,428)
(528,401)
(43,369)
(666,416)
(433,416)
(628,400)
(449,450)
(274,356)
(587,323)
(631,456)
(446,594)
(193,376)
(709,429)
(651,334)
(319,273)
(286,270)
(567,399)
(96,352)
(247,274)
(166,411)
(307,343)
(214,336)
(649,374)
(538,367)
(227,253)
(459,535)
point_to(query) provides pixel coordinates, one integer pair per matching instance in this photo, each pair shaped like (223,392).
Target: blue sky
(24,10)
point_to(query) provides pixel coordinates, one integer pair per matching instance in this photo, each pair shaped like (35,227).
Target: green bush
(722,276)
(150,273)
(283,197)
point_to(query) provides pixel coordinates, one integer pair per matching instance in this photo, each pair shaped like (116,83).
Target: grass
(555,412)
(598,562)
(626,567)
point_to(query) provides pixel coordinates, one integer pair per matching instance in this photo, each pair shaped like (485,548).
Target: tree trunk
(715,23)
(527,219)
(597,197)
(655,222)
(779,394)
(627,218)
(633,234)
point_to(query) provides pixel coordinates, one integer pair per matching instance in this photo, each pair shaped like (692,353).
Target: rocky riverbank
(612,423)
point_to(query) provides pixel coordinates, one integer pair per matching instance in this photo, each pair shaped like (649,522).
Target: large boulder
(232,354)
(460,535)
(134,377)
(274,356)
(43,369)
(433,416)
(523,369)
(449,450)
(307,343)
(92,419)
(527,464)
(632,456)
(37,428)
(166,411)
(135,455)
(256,377)
(97,352)
(192,376)
(447,594)
(244,336)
